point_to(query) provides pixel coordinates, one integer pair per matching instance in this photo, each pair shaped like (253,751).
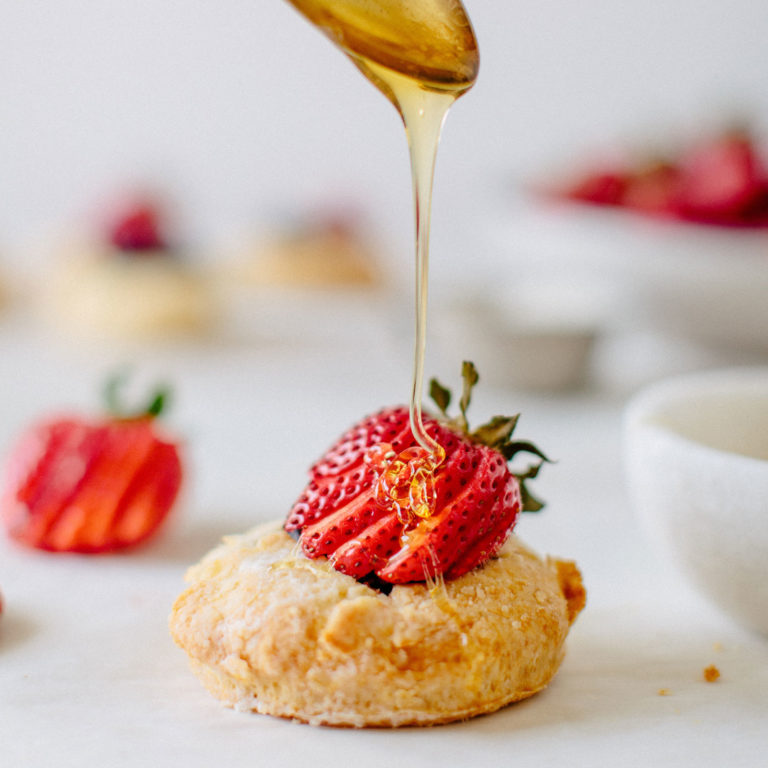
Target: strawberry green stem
(496,434)
(156,404)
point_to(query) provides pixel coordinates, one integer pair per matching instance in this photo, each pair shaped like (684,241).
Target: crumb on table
(711,673)
(664,692)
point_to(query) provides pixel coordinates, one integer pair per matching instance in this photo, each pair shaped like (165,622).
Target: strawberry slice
(328,534)
(343,516)
(653,189)
(150,496)
(442,544)
(599,188)
(371,550)
(91,486)
(341,474)
(721,180)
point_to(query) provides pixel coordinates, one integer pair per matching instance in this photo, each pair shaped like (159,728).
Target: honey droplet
(406,481)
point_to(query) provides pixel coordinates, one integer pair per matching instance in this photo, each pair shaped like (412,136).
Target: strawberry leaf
(510,450)
(116,408)
(496,432)
(470,377)
(440,396)
(158,403)
(529,502)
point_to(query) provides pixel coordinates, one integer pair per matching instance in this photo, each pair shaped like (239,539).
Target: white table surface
(90,677)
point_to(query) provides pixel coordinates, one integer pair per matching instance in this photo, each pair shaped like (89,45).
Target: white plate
(705,283)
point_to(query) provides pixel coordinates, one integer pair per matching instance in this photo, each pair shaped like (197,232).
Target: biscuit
(271,631)
(107,296)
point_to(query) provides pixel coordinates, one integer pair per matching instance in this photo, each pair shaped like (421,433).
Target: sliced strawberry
(723,181)
(342,473)
(342,514)
(756,213)
(437,544)
(48,468)
(653,190)
(352,557)
(720,180)
(86,522)
(388,426)
(488,543)
(600,188)
(371,550)
(77,486)
(149,498)
(327,535)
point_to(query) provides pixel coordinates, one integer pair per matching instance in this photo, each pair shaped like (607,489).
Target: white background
(238,110)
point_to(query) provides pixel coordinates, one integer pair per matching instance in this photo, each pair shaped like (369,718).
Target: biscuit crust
(271,631)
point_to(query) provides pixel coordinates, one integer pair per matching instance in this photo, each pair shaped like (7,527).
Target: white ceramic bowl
(696,457)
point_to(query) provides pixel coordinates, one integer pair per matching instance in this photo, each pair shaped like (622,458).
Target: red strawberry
(599,188)
(721,181)
(138,229)
(91,486)
(343,515)
(653,189)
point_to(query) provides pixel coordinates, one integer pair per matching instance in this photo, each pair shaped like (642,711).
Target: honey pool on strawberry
(475,501)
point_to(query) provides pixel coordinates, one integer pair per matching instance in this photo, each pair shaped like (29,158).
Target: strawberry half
(137,230)
(599,188)
(91,486)
(475,497)
(721,181)
(653,190)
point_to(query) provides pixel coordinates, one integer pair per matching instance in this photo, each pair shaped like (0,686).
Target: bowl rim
(647,401)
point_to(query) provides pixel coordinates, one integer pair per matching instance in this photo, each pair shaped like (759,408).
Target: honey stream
(423,55)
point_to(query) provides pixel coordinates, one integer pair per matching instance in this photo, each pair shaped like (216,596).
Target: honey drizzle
(423,111)
(422,57)
(423,114)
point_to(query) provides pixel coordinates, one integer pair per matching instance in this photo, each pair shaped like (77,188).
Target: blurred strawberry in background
(138,229)
(722,181)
